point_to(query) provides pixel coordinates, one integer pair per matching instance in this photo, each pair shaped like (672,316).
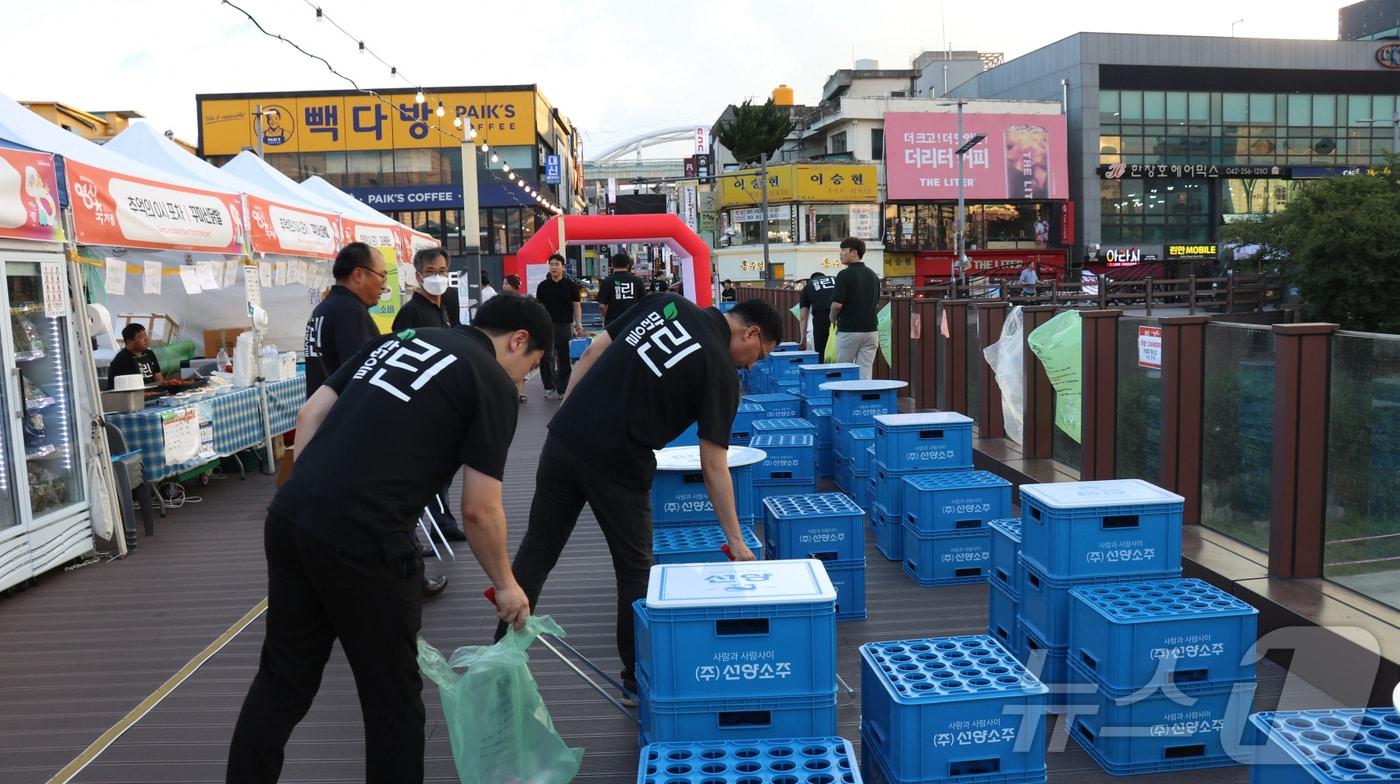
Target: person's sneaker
(434,586)
(550,394)
(630,700)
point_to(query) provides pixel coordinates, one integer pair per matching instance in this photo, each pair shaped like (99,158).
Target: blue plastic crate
(680,497)
(1331,745)
(946,559)
(758,762)
(756,381)
(725,630)
(821,417)
(787,387)
(927,441)
(696,544)
(742,429)
(889,488)
(876,770)
(1158,733)
(1140,634)
(762,491)
(1007,570)
(1045,600)
(826,462)
(811,377)
(792,424)
(1047,662)
(860,491)
(946,708)
(826,526)
(576,348)
(785,365)
(1002,609)
(889,534)
(811,404)
(845,478)
(1100,529)
(852,443)
(775,404)
(955,500)
(848,578)
(752,718)
(791,456)
(855,403)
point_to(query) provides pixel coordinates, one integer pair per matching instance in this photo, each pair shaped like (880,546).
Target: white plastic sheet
(1006,356)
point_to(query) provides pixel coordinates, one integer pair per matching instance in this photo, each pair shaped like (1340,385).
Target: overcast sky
(616,68)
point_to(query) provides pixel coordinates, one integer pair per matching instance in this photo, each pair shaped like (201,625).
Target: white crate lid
(828,366)
(687,458)
(923,418)
(1109,492)
(874,385)
(726,584)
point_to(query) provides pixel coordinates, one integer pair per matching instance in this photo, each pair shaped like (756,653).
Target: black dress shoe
(434,586)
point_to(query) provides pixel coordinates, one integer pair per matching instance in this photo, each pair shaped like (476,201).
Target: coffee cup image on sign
(1027,162)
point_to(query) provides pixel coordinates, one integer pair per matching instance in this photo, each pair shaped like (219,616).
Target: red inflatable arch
(692,252)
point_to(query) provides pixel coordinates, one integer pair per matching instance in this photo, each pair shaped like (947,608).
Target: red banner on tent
(29,196)
(133,212)
(276,228)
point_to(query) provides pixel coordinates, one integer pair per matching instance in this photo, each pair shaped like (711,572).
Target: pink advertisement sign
(1024,156)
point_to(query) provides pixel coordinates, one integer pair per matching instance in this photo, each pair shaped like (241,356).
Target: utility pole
(768,278)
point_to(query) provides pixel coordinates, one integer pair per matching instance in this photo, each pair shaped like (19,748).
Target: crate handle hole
(1002,633)
(1120,521)
(980,767)
(1185,752)
(911,565)
(1084,732)
(969,571)
(1034,580)
(870,396)
(1003,576)
(964,524)
(1191,676)
(1035,512)
(732,719)
(693,479)
(826,556)
(927,434)
(740,627)
(1089,661)
(782,474)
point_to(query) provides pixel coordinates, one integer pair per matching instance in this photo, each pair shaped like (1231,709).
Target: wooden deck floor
(82,648)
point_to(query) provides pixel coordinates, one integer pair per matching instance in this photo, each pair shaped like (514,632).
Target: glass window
(286,163)
(367,168)
(1108,107)
(1299,110)
(1358,109)
(1324,110)
(485,241)
(1236,107)
(1176,108)
(877,144)
(1130,105)
(520,158)
(1261,108)
(416,166)
(1198,107)
(892,225)
(838,142)
(1382,108)
(832,222)
(1154,105)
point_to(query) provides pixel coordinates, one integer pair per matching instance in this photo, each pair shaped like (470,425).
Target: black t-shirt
(338,328)
(414,407)
(126,363)
(817,296)
(728,295)
(619,291)
(668,366)
(419,312)
(858,291)
(558,297)
(658,285)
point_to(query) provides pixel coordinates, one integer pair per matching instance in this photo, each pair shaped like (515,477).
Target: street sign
(703,165)
(551,169)
(702,141)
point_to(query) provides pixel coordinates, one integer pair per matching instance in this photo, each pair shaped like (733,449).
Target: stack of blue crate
(816,400)
(1324,746)
(678,493)
(908,444)
(789,468)
(949,709)
(697,544)
(1004,586)
(742,429)
(826,440)
(1083,533)
(855,404)
(1147,648)
(827,527)
(853,463)
(736,651)
(775,405)
(783,368)
(946,538)
(769,761)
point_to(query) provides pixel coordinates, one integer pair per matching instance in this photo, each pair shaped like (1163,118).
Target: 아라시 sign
(1150,347)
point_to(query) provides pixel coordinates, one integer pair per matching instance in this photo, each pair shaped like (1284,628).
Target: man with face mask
(427,308)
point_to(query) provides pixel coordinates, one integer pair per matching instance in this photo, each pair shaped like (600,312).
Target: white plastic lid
(687,458)
(828,366)
(1078,495)
(923,418)
(725,584)
(875,385)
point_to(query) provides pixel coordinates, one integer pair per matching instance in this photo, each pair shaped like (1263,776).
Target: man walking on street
(377,439)
(639,385)
(854,303)
(816,301)
(559,295)
(620,290)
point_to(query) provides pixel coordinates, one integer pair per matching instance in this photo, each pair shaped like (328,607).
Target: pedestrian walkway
(82,649)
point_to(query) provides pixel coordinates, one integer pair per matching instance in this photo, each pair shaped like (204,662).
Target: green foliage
(756,132)
(1339,242)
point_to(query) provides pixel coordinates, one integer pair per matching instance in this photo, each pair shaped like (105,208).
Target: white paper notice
(116,277)
(230,273)
(189,278)
(150,277)
(55,282)
(181,434)
(209,274)
(265,274)
(279,274)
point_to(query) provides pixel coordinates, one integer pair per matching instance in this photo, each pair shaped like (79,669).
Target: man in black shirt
(816,301)
(659,283)
(854,305)
(429,306)
(639,385)
(383,434)
(728,293)
(340,326)
(559,295)
(620,290)
(137,357)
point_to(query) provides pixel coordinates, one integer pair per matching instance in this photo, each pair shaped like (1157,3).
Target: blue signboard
(551,169)
(439,197)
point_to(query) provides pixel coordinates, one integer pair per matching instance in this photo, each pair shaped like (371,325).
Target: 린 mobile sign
(133,212)
(1023,157)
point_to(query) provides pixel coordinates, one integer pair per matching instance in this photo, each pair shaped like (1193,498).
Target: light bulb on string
(495,158)
(505,167)
(511,176)
(319,15)
(362,47)
(457,122)
(485,148)
(473,135)
(419,98)
(441,111)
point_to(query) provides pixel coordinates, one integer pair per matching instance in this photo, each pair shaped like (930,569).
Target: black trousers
(556,367)
(317,594)
(564,482)
(821,329)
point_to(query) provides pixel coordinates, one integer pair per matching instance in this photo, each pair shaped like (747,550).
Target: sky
(616,68)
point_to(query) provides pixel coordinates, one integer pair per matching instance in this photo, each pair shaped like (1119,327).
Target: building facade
(1171,137)
(1369,20)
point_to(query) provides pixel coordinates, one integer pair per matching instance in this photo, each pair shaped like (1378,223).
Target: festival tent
(412,239)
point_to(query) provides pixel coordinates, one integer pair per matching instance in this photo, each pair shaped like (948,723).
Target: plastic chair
(131,477)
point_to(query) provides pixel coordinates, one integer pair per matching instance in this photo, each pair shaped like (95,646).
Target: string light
(418,96)
(319,16)
(457,122)
(440,111)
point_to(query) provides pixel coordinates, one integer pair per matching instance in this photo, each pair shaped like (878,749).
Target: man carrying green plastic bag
(501,732)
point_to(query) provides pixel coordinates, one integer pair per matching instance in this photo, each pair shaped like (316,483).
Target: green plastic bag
(829,355)
(500,730)
(1057,343)
(882,326)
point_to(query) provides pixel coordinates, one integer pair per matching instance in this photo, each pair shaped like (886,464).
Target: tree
(1339,242)
(756,132)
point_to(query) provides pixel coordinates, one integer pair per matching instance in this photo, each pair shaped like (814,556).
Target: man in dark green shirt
(853,309)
